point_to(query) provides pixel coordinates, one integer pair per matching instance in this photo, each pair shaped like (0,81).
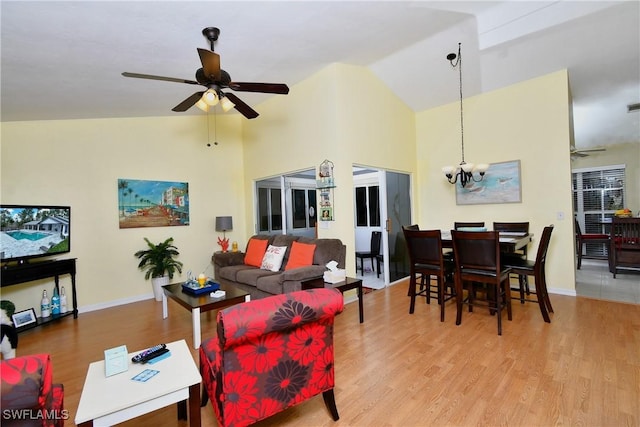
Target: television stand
(28,272)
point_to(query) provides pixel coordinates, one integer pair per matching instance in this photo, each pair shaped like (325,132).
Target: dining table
(510,241)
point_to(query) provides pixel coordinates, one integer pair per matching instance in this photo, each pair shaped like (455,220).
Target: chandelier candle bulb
(448,170)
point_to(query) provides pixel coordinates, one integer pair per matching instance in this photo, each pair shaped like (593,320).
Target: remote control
(156,355)
(149,353)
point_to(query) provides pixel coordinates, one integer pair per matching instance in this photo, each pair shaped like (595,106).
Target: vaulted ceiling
(63,60)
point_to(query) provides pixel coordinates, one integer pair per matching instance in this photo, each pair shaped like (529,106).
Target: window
(269,209)
(368,206)
(597,194)
(304,202)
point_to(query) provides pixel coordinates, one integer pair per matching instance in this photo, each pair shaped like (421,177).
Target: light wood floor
(398,369)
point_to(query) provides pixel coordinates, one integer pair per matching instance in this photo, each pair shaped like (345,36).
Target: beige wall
(78,163)
(343,113)
(527,122)
(619,154)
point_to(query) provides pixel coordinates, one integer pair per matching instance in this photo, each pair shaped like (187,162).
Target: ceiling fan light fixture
(210,97)
(226,104)
(202,105)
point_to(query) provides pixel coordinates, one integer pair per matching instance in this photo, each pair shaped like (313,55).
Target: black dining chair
(516,227)
(583,238)
(374,251)
(425,258)
(525,267)
(477,261)
(459,225)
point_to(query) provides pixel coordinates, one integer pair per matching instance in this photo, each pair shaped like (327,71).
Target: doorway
(382,203)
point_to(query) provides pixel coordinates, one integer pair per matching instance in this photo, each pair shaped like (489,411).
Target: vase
(157,283)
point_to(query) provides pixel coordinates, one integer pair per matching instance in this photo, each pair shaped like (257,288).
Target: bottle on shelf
(63,301)
(44,305)
(55,302)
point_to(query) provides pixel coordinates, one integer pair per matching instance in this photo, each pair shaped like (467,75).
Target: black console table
(28,272)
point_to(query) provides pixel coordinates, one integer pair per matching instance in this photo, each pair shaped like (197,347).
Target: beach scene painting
(501,184)
(152,203)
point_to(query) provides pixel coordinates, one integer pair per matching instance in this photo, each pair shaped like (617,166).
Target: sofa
(29,396)
(236,269)
(271,354)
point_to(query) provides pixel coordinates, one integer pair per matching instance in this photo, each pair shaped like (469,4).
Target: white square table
(111,400)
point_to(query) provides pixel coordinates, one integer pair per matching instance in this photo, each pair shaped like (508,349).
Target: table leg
(194,405)
(195,313)
(247,298)
(360,306)
(165,311)
(182,410)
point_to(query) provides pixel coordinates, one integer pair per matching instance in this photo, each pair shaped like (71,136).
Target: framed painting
(501,184)
(24,318)
(152,203)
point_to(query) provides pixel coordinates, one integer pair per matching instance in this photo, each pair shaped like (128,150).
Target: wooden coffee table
(343,286)
(111,400)
(201,303)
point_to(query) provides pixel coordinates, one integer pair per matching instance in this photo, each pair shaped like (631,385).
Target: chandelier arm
(481,177)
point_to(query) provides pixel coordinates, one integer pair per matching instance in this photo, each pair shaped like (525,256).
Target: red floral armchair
(29,397)
(271,354)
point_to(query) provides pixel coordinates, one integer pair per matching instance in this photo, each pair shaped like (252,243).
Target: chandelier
(464,172)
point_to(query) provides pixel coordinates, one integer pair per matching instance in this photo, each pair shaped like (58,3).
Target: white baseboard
(114,303)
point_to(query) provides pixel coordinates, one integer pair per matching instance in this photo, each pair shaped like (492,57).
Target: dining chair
(516,227)
(582,240)
(374,251)
(426,259)
(459,225)
(525,267)
(477,260)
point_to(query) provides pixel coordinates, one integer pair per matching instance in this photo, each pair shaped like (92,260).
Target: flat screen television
(34,231)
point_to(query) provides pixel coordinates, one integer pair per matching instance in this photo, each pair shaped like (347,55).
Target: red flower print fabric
(270,354)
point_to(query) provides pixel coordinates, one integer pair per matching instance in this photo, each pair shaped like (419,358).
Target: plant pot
(157,283)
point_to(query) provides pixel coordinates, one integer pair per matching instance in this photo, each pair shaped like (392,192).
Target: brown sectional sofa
(229,267)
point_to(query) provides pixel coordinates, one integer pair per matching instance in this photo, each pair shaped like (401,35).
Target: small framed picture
(24,318)
(326,214)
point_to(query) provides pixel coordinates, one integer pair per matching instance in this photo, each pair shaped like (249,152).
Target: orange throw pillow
(301,255)
(255,252)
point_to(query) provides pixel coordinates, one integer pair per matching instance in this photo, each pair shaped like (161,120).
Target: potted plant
(159,263)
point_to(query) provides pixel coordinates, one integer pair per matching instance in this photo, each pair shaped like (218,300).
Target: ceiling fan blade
(166,79)
(587,150)
(210,63)
(243,108)
(188,103)
(277,88)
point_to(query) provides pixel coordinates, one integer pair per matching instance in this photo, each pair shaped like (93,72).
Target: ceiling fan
(584,152)
(215,80)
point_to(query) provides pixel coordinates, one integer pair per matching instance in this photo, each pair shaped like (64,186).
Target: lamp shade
(224,223)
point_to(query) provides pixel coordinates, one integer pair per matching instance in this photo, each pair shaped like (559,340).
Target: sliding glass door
(398,213)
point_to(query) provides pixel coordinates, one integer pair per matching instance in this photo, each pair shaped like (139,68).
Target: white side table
(106,401)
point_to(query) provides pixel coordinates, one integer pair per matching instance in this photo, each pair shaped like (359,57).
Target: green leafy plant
(159,259)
